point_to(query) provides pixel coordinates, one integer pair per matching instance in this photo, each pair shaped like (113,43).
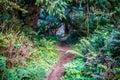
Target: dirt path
(58,70)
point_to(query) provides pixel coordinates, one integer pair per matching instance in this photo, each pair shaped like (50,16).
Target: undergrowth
(97,56)
(25,57)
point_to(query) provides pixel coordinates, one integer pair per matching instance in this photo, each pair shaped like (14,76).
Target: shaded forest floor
(57,71)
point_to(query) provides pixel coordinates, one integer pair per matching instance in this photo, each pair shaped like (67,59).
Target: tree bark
(31,18)
(34,15)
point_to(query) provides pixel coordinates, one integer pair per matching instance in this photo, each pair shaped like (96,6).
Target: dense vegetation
(28,38)
(23,54)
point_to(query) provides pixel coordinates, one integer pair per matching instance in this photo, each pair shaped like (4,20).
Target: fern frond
(75,53)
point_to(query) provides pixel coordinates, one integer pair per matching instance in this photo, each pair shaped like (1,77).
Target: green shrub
(28,73)
(45,50)
(112,44)
(84,47)
(2,68)
(97,63)
(100,35)
(2,40)
(26,56)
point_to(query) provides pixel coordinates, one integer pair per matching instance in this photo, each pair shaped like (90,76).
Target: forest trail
(58,69)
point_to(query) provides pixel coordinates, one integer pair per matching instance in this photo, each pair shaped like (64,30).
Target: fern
(2,41)
(75,53)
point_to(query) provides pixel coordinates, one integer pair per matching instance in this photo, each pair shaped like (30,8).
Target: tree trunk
(30,19)
(34,15)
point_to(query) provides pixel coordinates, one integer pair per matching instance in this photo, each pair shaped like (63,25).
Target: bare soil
(58,69)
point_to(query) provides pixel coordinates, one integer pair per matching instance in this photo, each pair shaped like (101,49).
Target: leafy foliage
(2,67)
(28,54)
(97,62)
(25,58)
(2,40)
(28,73)
(82,16)
(112,44)
(46,52)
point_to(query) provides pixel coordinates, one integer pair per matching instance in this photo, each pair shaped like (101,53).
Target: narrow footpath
(58,69)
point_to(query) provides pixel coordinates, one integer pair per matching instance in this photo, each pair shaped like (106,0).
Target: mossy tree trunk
(34,14)
(30,18)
